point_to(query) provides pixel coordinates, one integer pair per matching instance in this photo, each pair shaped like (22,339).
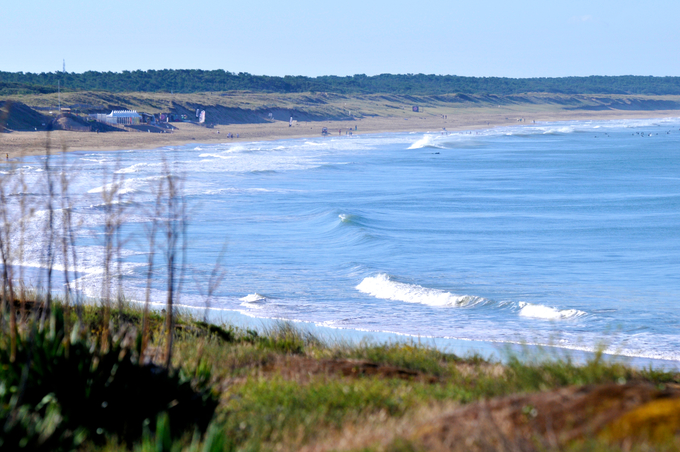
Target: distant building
(120,117)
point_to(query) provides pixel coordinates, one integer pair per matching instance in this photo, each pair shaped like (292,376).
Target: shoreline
(495,350)
(23,144)
(499,351)
(280,130)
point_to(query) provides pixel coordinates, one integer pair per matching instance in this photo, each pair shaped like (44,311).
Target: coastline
(189,133)
(524,348)
(491,350)
(20,144)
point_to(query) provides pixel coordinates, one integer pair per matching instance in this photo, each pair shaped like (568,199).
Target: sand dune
(16,144)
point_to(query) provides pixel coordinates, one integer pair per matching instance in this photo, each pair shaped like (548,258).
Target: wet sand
(17,144)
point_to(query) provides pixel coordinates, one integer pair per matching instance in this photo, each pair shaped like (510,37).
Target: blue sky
(522,38)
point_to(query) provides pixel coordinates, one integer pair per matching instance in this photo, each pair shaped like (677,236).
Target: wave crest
(427,141)
(254,298)
(131,169)
(538,311)
(381,286)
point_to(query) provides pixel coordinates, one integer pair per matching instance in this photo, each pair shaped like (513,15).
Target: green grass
(263,405)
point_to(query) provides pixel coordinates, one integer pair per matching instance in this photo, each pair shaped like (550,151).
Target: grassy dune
(322,106)
(260,116)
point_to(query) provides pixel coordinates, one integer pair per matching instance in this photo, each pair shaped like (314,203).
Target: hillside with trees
(196,80)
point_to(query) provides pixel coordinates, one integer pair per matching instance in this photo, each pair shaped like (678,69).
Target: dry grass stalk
(7,265)
(112,224)
(59,240)
(215,279)
(151,232)
(66,209)
(68,241)
(175,248)
(25,212)
(49,231)
(8,293)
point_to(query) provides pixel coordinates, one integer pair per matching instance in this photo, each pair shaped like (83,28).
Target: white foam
(109,187)
(555,130)
(217,156)
(126,186)
(381,286)
(101,189)
(235,190)
(112,203)
(538,311)
(254,298)
(131,169)
(425,141)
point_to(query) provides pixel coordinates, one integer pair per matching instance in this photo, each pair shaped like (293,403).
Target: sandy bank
(18,144)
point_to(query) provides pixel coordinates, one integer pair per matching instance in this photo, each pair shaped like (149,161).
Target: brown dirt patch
(302,368)
(544,420)
(66,122)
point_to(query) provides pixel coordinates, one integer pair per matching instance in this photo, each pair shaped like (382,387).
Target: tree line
(196,80)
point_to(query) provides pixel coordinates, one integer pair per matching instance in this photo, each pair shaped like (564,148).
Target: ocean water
(554,233)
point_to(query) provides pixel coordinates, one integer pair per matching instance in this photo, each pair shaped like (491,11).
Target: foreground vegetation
(74,384)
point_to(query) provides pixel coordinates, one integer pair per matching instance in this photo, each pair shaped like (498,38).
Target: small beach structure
(120,117)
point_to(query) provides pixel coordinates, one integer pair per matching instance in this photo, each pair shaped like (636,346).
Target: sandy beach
(17,144)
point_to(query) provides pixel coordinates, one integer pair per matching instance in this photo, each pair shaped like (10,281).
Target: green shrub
(38,428)
(162,440)
(104,391)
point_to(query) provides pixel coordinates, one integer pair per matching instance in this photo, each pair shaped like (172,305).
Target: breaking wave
(131,169)
(381,286)
(254,298)
(538,311)
(427,141)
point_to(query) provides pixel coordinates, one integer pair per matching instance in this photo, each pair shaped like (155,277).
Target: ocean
(561,234)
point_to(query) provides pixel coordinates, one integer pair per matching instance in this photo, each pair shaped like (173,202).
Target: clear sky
(522,38)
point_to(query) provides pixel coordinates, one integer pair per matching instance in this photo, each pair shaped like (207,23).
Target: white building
(122,117)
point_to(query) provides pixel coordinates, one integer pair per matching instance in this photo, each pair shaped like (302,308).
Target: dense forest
(195,80)
(8,88)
